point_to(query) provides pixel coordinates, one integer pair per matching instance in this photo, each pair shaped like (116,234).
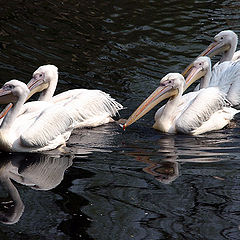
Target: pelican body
(89,108)
(194,113)
(225,76)
(33,127)
(224,44)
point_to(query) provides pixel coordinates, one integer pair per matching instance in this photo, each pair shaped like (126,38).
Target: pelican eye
(167,82)
(8,87)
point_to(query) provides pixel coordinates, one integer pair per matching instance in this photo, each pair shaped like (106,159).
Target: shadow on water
(39,172)
(138,184)
(42,173)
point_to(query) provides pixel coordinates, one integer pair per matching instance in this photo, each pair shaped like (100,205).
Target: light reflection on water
(140,184)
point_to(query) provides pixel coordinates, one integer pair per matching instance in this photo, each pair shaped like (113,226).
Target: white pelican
(225,44)
(89,108)
(194,113)
(45,128)
(225,76)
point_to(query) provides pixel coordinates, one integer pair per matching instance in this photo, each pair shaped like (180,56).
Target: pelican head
(223,43)
(170,86)
(200,67)
(12,91)
(42,78)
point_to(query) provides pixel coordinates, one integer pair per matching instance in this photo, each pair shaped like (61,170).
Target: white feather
(194,113)
(50,129)
(89,108)
(37,126)
(201,109)
(226,76)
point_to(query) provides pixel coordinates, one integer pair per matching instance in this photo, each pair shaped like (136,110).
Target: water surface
(110,184)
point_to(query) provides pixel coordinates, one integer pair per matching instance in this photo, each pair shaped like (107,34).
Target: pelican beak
(213,49)
(37,84)
(6,96)
(5,110)
(194,74)
(156,97)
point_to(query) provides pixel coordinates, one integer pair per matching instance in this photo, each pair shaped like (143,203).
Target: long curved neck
(47,94)
(205,81)
(169,113)
(13,113)
(228,55)
(171,107)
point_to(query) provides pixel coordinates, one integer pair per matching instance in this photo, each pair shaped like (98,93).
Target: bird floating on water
(193,113)
(25,129)
(225,44)
(89,108)
(225,76)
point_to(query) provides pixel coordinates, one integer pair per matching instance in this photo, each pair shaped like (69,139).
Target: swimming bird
(225,44)
(32,127)
(89,108)
(225,76)
(193,113)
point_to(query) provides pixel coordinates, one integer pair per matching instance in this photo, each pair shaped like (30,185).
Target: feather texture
(89,108)
(226,76)
(201,108)
(49,130)
(193,113)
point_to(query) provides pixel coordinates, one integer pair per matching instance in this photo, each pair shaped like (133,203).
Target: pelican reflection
(170,152)
(40,172)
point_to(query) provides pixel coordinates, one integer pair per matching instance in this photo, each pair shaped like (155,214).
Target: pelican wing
(223,75)
(89,108)
(184,103)
(229,82)
(203,106)
(220,73)
(236,56)
(52,127)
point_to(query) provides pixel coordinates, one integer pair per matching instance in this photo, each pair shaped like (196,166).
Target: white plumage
(194,113)
(22,130)
(225,76)
(89,108)
(225,44)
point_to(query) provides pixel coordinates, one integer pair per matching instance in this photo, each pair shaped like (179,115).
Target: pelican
(40,172)
(194,113)
(89,108)
(225,76)
(225,44)
(45,128)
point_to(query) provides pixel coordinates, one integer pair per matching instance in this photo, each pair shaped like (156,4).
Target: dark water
(140,184)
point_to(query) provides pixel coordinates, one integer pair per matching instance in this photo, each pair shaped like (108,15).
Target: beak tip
(124,127)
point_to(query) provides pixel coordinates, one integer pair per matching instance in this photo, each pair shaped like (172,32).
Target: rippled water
(138,184)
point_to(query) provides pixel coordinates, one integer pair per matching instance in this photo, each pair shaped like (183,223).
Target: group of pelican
(214,101)
(47,123)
